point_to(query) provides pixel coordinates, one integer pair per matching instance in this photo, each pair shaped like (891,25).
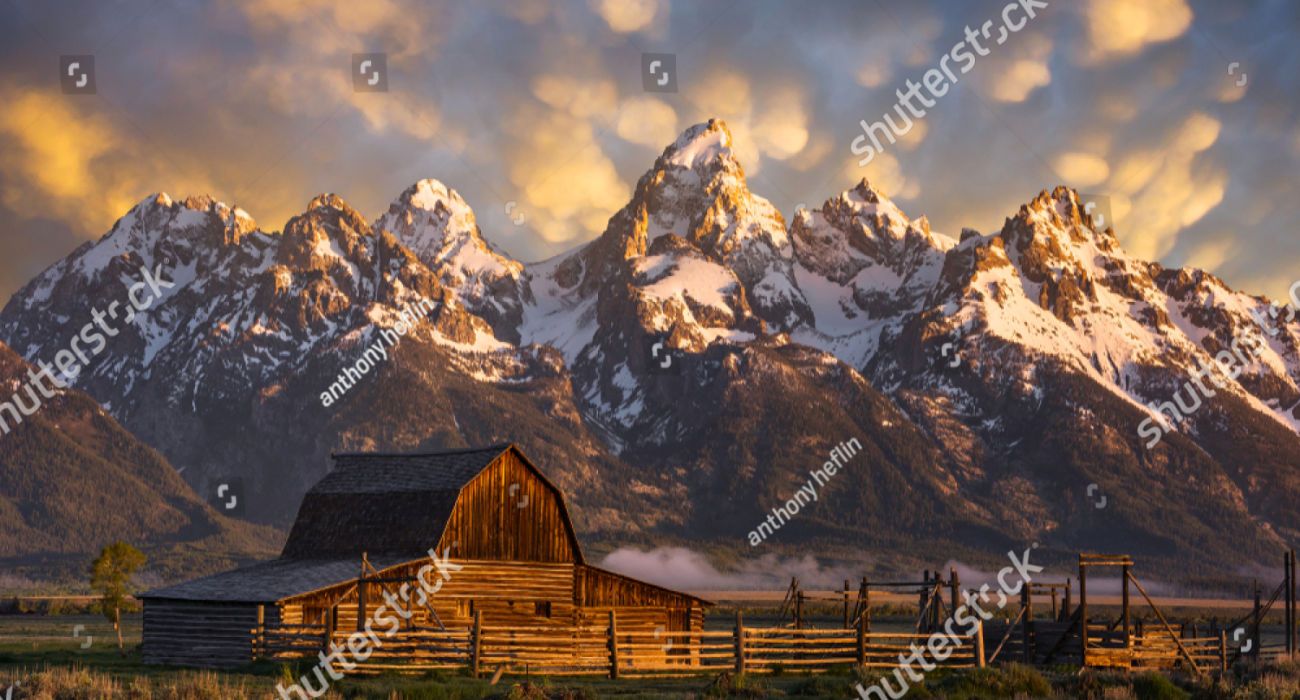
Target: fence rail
(608,650)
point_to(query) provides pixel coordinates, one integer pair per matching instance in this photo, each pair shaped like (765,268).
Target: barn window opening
(542,608)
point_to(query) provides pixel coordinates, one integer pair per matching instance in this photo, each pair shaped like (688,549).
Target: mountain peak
(327,200)
(700,145)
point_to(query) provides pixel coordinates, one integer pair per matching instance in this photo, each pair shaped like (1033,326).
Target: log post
(1067,607)
(331,620)
(862,639)
(740,643)
(1128,639)
(476,650)
(954,588)
(361,594)
(798,610)
(921,610)
(1295,634)
(1223,650)
(1289,582)
(979,643)
(613,645)
(846,603)
(866,602)
(259,639)
(1083,612)
(1256,618)
(1027,628)
(1056,610)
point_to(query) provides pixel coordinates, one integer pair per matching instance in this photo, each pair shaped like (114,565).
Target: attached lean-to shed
(371,523)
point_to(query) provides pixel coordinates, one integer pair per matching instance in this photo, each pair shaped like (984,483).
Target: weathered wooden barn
(367,528)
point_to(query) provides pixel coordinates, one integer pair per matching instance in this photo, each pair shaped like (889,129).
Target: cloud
(59,161)
(566,178)
(1173,190)
(626,15)
(885,173)
(648,122)
(1213,253)
(1082,169)
(581,98)
(1023,72)
(1120,28)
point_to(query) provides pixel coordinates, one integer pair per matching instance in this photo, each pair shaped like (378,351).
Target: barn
(371,525)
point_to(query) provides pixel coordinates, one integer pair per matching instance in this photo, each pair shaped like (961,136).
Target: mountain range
(680,374)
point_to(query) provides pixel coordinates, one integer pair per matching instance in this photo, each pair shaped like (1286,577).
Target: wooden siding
(508,512)
(599,588)
(505,592)
(188,633)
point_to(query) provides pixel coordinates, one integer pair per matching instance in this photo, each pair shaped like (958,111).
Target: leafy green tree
(110,574)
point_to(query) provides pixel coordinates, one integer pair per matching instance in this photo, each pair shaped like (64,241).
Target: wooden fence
(608,651)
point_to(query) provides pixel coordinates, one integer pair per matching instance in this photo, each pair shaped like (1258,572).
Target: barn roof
(384,503)
(268,581)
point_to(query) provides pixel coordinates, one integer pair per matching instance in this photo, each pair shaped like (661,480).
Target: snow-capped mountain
(992,379)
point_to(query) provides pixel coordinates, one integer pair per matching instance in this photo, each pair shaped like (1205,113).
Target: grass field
(75,657)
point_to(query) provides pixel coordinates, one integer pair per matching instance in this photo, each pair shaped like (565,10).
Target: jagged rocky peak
(439,226)
(859,228)
(697,192)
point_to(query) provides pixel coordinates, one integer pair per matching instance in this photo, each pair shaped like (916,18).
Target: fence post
(954,585)
(866,602)
(1083,612)
(1223,650)
(1256,620)
(740,643)
(613,645)
(979,644)
(259,639)
(846,603)
(476,649)
(1026,630)
(862,639)
(1128,639)
(798,610)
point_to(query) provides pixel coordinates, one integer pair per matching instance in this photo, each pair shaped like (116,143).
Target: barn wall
(508,513)
(207,634)
(507,593)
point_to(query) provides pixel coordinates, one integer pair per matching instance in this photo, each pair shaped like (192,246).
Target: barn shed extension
(370,526)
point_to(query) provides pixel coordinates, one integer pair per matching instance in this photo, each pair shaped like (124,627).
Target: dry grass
(78,683)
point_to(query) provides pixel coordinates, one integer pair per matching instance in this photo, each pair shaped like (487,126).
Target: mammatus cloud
(1082,169)
(627,15)
(1168,187)
(647,121)
(1121,28)
(1026,70)
(566,178)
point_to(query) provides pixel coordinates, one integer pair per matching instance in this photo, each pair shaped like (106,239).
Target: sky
(1181,117)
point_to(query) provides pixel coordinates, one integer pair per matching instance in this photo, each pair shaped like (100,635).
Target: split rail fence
(606,650)
(1063,632)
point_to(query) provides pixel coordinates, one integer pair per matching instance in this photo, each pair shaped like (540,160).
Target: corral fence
(1064,633)
(606,650)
